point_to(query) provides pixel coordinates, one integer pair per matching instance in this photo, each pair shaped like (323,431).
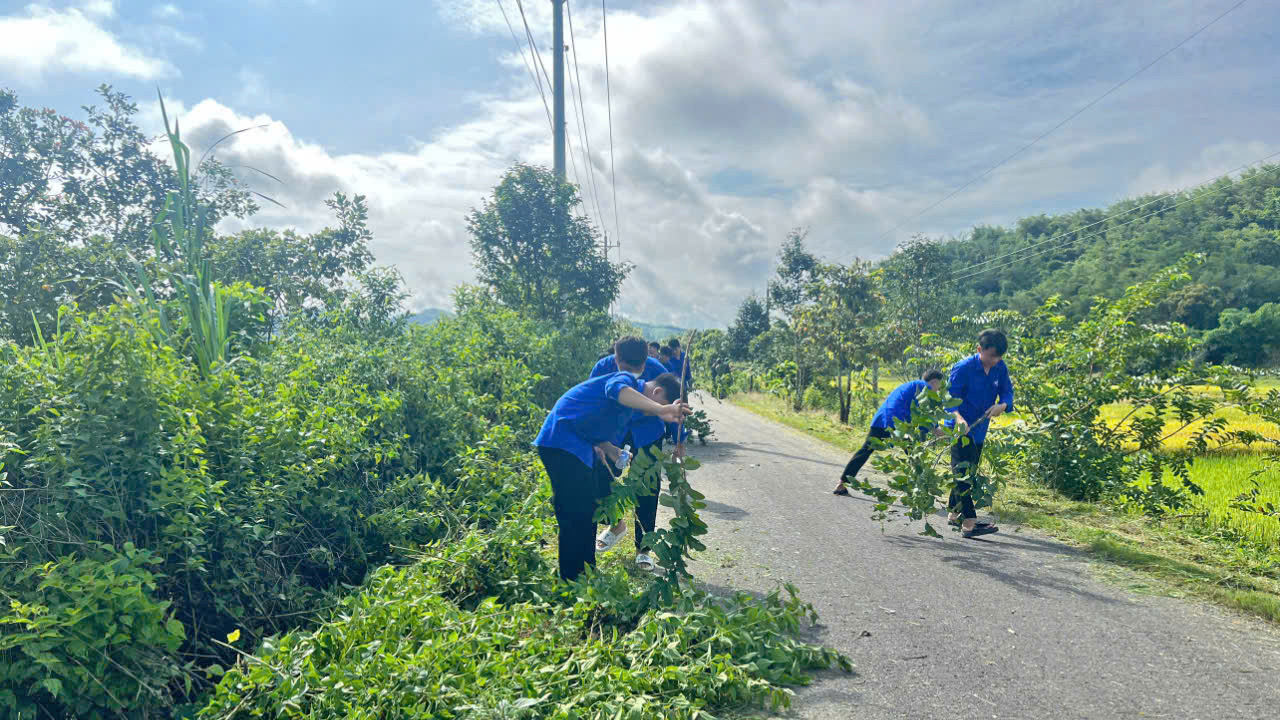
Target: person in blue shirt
(678,364)
(664,357)
(981,382)
(898,406)
(654,348)
(577,434)
(643,433)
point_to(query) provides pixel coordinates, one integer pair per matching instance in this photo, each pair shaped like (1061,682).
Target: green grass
(1229,561)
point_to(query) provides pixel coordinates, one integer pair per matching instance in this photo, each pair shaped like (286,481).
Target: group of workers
(632,397)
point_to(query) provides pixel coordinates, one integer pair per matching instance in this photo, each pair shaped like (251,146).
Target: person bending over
(577,434)
(898,406)
(981,382)
(644,433)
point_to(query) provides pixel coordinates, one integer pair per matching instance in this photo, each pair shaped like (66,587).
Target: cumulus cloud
(42,40)
(736,120)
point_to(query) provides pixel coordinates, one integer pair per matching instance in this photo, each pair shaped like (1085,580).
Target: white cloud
(166,11)
(1212,162)
(735,120)
(45,40)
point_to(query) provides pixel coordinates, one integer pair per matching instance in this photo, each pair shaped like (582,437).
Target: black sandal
(980,530)
(842,490)
(976,523)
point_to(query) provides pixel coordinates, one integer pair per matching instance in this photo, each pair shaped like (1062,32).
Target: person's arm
(629,397)
(1004,390)
(956,387)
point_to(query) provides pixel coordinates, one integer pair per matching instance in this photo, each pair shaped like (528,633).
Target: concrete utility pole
(557,62)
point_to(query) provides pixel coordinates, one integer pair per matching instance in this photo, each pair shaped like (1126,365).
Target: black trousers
(964,462)
(864,453)
(573,495)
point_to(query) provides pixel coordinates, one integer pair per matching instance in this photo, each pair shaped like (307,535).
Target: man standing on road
(981,383)
(898,406)
(678,365)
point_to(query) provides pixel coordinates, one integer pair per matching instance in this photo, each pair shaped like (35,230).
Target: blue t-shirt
(978,390)
(898,405)
(645,429)
(587,414)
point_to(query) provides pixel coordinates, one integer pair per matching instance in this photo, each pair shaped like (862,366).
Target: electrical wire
(1100,232)
(1068,119)
(1119,214)
(613,174)
(583,132)
(524,58)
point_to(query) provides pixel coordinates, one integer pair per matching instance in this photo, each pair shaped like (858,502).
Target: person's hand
(674,412)
(996,410)
(962,425)
(678,453)
(608,450)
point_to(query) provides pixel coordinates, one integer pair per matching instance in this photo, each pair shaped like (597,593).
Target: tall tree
(790,290)
(535,255)
(752,321)
(96,177)
(839,323)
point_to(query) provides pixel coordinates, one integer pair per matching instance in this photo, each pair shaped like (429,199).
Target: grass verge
(1176,556)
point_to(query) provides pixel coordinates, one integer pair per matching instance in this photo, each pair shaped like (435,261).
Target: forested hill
(1234,222)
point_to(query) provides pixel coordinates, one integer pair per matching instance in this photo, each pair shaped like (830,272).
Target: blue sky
(734,120)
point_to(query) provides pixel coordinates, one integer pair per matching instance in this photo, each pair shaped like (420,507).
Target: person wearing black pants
(981,382)
(577,435)
(898,406)
(644,433)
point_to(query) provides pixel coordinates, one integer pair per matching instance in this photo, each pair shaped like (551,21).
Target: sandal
(607,539)
(977,523)
(841,490)
(644,561)
(980,530)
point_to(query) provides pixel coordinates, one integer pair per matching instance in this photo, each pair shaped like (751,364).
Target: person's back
(899,405)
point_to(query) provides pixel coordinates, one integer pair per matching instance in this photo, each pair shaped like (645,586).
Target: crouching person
(578,433)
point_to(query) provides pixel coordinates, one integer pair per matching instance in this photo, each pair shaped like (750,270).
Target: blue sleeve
(956,385)
(616,382)
(602,367)
(1006,389)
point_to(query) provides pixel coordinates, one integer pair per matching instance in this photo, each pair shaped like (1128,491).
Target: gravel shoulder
(1015,625)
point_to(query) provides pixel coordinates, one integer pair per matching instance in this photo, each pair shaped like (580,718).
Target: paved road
(1011,626)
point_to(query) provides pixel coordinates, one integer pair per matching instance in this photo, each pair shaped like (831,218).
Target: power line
(537,54)
(520,49)
(613,174)
(1100,232)
(1068,119)
(582,114)
(1123,212)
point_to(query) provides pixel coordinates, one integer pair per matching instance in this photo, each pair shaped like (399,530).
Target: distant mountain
(429,316)
(661,333)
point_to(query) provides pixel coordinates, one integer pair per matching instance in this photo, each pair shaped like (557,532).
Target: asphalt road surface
(1014,625)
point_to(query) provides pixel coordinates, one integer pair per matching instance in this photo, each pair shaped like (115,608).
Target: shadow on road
(732,449)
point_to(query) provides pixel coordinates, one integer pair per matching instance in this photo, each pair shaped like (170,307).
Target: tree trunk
(845,387)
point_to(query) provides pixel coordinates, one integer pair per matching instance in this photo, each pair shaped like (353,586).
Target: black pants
(573,495)
(964,462)
(647,506)
(864,453)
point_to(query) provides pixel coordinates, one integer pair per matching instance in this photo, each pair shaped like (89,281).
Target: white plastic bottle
(624,457)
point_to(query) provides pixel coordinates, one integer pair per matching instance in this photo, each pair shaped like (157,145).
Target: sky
(733,121)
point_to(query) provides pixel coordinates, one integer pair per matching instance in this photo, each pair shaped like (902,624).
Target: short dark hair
(931,374)
(664,350)
(673,343)
(655,344)
(994,339)
(631,350)
(670,385)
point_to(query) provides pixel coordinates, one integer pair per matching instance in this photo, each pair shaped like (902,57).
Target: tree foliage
(535,254)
